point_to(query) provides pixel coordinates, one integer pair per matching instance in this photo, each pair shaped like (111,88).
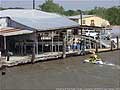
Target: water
(112,65)
(65,73)
(115,31)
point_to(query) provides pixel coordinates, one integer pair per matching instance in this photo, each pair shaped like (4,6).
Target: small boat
(98,61)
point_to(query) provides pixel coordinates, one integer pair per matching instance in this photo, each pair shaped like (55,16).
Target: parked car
(91,33)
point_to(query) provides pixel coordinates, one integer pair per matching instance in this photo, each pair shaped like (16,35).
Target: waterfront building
(34,35)
(90,20)
(24,31)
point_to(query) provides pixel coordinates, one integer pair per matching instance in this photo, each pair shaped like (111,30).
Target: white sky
(67,4)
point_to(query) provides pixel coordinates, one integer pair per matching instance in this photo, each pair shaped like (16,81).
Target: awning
(13,31)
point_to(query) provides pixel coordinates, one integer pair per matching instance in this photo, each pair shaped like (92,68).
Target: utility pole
(33,4)
(81,20)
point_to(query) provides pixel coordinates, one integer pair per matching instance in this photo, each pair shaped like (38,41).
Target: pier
(56,46)
(19,60)
(42,40)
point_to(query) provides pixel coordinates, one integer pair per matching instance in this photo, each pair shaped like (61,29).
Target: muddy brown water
(64,73)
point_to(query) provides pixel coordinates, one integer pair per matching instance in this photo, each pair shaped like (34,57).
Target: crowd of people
(76,45)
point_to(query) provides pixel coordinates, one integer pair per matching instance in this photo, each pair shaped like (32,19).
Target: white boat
(98,61)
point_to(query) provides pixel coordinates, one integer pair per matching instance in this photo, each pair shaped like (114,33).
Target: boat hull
(96,62)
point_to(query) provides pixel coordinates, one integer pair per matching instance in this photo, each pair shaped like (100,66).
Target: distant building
(21,30)
(90,20)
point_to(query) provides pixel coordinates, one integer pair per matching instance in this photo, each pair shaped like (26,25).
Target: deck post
(37,47)
(81,20)
(24,48)
(55,47)
(33,53)
(42,42)
(0,55)
(85,43)
(64,45)
(5,47)
(111,45)
(36,43)
(100,40)
(52,40)
(96,47)
(34,50)
(67,36)
(58,41)
(5,43)
(117,42)
(89,43)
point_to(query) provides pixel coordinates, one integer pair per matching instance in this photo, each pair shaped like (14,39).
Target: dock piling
(111,45)
(117,42)
(64,45)
(96,47)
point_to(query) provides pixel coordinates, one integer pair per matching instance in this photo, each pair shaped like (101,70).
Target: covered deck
(40,36)
(10,39)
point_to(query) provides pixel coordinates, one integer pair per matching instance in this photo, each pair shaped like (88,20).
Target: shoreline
(115,25)
(52,59)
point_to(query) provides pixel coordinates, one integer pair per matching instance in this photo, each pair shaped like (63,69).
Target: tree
(71,13)
(111,14)
(1,8)
(50,6)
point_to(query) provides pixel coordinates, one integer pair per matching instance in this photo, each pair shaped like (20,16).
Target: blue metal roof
(38,19)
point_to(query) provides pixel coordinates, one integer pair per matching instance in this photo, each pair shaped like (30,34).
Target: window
(92,23)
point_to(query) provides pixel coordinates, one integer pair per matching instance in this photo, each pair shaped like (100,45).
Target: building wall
(97,21)
(7,22)
(3,22)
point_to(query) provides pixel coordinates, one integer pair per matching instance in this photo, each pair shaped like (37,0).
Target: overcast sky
(67,4)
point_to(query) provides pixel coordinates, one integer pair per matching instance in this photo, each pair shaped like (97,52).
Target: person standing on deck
(82,43)
(74,45)
(82,46)
(78,45)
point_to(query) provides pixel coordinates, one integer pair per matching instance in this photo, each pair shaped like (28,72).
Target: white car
(91,33)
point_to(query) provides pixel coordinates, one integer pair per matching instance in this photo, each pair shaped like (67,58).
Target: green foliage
(111,14)
(2,8)
(50,6)
(98,11)
(71,13)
